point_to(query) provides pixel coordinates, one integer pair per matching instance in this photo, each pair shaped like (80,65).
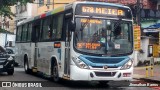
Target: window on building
(48,2)
(41,3)
(24,8)
(16,10)
(20,8)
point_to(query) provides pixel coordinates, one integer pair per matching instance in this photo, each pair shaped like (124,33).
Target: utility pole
(138,12)
(138,22)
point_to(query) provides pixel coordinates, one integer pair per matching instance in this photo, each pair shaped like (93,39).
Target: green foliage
(6,11)
(5,8)
(5,31)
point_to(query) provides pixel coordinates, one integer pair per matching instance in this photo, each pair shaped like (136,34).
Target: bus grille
(102,66)
(105,74)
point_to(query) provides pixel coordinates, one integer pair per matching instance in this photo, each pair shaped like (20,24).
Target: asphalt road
(20,77)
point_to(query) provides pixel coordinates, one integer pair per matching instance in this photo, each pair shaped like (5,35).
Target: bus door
(36,34)
(67,46)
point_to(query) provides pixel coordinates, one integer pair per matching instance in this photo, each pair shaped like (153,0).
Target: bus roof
(101,3)
(73,4)
(60,9)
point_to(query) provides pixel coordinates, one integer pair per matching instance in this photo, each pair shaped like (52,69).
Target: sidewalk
(140,73)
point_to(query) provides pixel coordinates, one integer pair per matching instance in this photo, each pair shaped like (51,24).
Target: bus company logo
(105,67)
(6,84)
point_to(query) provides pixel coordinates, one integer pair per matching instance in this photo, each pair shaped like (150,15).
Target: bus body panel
(46,52)
(23,49)
(84,74)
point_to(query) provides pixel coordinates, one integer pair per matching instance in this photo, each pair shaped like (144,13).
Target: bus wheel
(55,72)
(26,67)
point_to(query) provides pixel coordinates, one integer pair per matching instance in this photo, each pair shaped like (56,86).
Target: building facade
(41,6)
(48,5)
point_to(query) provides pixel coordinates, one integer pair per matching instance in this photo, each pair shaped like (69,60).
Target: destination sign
(103,10)
(90,46)
(94,21)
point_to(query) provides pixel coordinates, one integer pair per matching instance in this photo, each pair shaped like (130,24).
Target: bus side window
(57,26)
(18,34)
(46,28)
(29,32)
(36,31)
(54,28)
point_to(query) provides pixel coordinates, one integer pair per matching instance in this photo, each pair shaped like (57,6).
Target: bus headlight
(80,63)
(127,65)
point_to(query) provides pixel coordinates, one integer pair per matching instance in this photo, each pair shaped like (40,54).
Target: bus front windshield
(103,36)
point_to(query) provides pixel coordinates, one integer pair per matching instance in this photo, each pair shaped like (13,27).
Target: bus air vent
(105,74)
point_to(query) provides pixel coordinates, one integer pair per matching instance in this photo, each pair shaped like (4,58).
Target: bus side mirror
(72,26)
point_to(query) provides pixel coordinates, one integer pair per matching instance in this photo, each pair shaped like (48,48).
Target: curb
(149,80)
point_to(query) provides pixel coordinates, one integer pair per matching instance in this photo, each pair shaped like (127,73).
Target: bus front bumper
(78,74)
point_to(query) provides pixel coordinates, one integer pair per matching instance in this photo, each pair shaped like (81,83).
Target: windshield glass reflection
(102,36)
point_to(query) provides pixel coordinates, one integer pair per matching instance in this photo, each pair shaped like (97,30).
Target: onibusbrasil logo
(21,84)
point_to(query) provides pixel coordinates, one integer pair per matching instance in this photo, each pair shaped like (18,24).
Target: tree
(5,9)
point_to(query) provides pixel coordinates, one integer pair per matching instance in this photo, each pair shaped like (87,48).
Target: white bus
(82,41)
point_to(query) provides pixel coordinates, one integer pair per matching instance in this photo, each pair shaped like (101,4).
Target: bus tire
(26,66)
(55,74)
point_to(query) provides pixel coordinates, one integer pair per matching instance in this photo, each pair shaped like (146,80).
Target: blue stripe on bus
(48,13)
(59,51)
(96,61)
